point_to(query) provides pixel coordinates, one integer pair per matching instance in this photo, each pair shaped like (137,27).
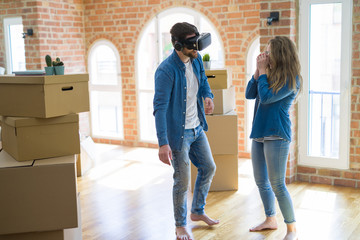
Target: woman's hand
(256,74)
(262,62)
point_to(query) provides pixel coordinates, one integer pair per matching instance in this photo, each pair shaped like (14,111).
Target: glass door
(325,41)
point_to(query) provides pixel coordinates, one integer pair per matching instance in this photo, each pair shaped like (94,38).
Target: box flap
(216,72)
(46,79)
(70,159)
(24,121)
(7,161)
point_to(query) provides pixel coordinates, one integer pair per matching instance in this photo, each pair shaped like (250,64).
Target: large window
(14,45)
(325,51)
(155,45)
(105,91)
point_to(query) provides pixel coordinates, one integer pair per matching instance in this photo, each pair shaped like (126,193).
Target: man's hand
(165,154)
(209,106)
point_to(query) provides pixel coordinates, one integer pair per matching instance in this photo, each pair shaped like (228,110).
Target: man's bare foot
(196,217)
(182,234)
(269,224)
(291,236)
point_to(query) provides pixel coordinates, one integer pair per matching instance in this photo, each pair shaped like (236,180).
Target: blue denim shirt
(170,99)
(271,113)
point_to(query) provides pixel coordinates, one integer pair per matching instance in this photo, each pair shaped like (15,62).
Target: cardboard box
(43,96)
(223,133)
(226,176)
(37,195)
(224,100)
(35,138)
(219,79)
(49,235)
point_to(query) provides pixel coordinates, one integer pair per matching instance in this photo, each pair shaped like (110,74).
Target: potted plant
(49,69)
(206,61)
(58,67)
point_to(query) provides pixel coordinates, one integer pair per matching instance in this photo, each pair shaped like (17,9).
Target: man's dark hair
(180,30)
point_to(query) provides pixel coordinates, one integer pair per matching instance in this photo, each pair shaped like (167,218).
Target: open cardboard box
(37,195)
(36,138)
(44,96)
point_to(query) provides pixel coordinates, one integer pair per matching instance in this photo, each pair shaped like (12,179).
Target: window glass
(324,82)
(103,66)
(105,91)
(15,45)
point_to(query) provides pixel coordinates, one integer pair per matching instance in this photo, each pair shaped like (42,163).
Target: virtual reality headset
(198,42)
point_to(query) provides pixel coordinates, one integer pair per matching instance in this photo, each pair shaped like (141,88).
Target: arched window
(105,91)
(154,46)
(253,52)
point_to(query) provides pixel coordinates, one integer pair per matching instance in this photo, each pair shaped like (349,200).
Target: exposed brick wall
(25,9)
(286,26)
(58,31)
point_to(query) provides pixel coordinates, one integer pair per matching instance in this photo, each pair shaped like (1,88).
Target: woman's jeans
(195,148)
(269,165)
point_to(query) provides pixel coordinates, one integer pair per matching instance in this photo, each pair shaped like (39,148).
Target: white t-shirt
(192,119)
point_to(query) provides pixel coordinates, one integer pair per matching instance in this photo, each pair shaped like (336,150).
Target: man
(180,88)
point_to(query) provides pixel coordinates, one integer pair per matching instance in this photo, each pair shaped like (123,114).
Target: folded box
(219,78)
(37,195)
(223,133)
(43,96)
(35,138)
(226,175)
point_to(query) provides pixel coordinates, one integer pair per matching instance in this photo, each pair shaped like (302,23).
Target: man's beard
(190,54)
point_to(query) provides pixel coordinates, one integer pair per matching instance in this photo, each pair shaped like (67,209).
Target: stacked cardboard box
(222,133)
(40,137)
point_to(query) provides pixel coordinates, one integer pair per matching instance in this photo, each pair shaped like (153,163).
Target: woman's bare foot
(196,217)
(291,232)
(270,223)
(291,236)
(182,234)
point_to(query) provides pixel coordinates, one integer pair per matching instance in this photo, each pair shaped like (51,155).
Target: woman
(274,85)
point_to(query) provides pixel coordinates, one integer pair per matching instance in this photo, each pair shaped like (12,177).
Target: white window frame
(7,23)
(342,162)
(106,88)
(250,70)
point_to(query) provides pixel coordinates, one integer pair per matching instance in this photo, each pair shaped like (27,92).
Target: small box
(43,96)
(35,138)
(226,176)
(224,100)
(223,133)
(37,195)
(219,79)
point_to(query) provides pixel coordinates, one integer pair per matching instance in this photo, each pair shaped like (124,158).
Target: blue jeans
(269,165)
(195,148)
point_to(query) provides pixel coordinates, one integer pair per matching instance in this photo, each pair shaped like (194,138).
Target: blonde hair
(285,64)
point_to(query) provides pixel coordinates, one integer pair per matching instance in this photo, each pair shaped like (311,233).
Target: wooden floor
(127,195)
